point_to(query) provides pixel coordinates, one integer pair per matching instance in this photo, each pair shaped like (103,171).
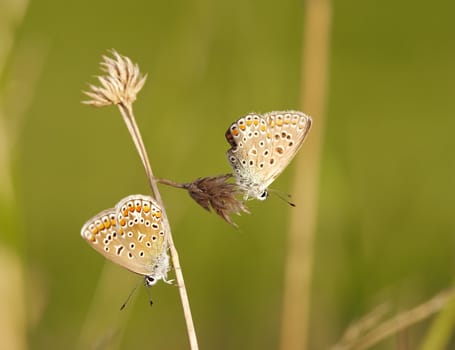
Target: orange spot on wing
(242,127)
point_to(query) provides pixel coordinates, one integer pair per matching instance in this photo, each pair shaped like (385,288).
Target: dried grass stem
(128,117)
(120,86)
(395,324)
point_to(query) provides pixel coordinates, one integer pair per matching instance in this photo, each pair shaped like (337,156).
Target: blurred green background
(386,225)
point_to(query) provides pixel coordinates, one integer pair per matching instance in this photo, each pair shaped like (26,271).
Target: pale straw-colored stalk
(120,87)
(19,75)
(441,331)
(299,257)
(375,333)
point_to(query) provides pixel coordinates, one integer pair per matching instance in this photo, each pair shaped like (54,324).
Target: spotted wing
(250,142)
(262,146)
(288,131)
(131,235)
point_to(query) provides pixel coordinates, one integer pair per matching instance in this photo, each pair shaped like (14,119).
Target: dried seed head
(120,85)
(216,193)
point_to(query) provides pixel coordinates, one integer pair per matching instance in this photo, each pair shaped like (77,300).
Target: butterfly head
(263,195)
(253,191)
(160,270)
(150,281)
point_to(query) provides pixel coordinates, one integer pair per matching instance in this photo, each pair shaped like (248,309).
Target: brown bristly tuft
(120,85)
(214,193)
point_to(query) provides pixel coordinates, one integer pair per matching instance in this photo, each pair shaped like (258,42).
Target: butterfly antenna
(285,197)
(150,296)
(129,297)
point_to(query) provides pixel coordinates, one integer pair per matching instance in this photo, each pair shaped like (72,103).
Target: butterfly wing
(250,142)
(131,235)
(262,147)
(102,233)
(288,131)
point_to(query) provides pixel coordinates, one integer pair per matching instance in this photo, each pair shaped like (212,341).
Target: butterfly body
(262,146)
(132,235)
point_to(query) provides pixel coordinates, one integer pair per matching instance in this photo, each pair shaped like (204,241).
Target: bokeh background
(385,197)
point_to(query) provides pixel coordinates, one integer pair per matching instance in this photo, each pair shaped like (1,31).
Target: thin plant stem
(16,92)
(128,116)
(299,258)
(170,183)
(441,331)
(398,323)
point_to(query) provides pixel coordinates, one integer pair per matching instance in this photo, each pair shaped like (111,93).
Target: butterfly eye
(150,281)
(263,196)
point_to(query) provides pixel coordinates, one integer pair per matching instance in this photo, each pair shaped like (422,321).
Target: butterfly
(262,146)
(132,235)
